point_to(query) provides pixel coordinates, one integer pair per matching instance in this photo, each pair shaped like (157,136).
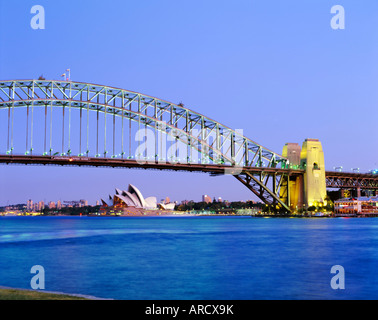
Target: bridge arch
(184,124)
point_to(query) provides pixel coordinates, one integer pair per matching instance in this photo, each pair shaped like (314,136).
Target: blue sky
(275,69)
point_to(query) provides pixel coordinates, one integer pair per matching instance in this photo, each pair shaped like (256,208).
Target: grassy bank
(15,294)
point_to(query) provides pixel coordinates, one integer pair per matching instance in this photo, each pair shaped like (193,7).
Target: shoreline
(191,216)
(45,295)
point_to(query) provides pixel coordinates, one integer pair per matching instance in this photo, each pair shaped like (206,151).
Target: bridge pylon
(292,189)
(309,189)
(312,160)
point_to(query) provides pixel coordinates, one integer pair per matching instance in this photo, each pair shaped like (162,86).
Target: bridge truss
(344,180)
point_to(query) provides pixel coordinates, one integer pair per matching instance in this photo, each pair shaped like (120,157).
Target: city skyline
(280,73)
(83,202)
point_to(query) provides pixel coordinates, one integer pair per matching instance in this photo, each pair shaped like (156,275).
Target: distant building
(59,205)
(29,205)
(206,198)
(52,205)
(41,205)
(76,204)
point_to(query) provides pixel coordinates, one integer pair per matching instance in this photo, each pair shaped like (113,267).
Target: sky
(275,69)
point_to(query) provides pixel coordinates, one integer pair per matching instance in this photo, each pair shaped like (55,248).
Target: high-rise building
(59,205)
(52,205)
(29,205)
(41,206)
(206,198)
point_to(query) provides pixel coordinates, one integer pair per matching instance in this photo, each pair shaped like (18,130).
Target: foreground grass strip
(13,294)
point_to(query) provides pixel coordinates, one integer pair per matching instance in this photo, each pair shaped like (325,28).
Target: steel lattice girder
(350,180)
(184,124)
(258,184)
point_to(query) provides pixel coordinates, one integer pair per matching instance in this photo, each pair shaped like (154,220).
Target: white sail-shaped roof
(133,198)
(151,203)
(107,203)
(125,200)
(168,206)
(134,190)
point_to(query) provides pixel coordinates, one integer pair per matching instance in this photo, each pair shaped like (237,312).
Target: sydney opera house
(132,201)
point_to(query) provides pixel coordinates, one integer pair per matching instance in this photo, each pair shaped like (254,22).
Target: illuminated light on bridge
(83,124)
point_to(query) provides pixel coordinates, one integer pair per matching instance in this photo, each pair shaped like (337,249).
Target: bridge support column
(312,160)
(292,188)
(358,192)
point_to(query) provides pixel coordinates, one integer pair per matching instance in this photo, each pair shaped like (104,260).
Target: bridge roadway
(333,179)
(131,163)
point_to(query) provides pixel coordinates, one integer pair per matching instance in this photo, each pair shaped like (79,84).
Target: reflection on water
(192,258)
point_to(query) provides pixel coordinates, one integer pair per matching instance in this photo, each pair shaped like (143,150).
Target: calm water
(192,258)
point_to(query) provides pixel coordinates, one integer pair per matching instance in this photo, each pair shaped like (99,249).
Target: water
(200,258)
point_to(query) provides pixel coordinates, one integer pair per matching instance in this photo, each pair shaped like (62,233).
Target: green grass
(14,294)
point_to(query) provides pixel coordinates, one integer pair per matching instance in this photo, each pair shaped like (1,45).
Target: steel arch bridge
(72,123)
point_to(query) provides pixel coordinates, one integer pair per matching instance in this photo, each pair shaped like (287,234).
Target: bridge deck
(129,163)
(333,179)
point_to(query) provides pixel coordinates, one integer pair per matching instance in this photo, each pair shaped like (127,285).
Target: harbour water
(223,258)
